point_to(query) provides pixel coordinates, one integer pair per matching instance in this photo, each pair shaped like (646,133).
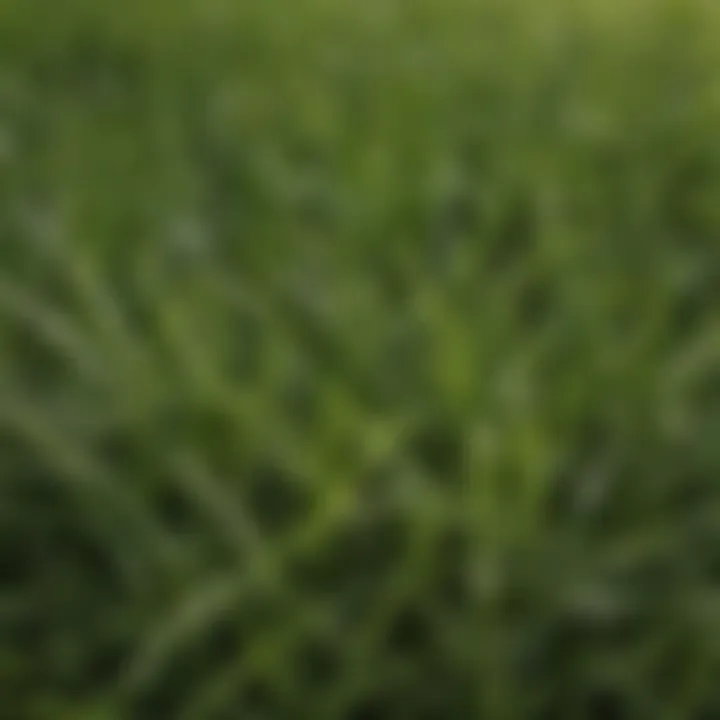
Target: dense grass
(359,360)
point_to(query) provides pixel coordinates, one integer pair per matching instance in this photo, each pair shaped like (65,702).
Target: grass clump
(359,360)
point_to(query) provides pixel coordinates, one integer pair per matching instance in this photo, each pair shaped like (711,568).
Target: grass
(359,360)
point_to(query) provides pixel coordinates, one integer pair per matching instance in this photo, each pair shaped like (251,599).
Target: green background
(359,359)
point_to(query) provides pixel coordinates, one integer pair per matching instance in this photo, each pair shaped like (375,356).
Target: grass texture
(359,360)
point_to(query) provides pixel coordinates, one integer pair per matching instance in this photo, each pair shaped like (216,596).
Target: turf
(359,360)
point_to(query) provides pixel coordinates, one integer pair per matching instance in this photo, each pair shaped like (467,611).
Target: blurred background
(359,360)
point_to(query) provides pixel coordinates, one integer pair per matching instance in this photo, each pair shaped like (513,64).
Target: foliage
(359,360)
